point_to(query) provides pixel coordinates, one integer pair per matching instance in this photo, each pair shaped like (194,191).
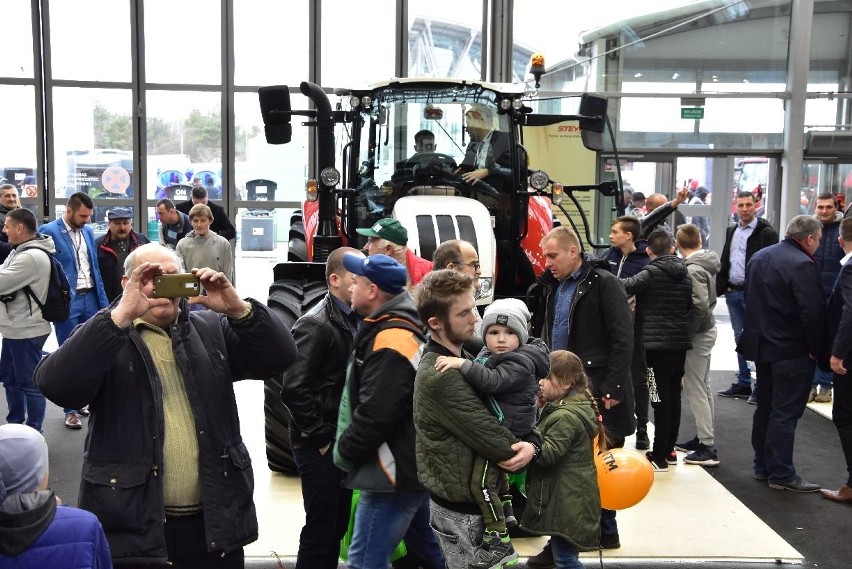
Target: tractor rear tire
(288,299)
(297,248)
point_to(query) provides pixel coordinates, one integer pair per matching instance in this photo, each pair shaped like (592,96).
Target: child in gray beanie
(506,374)
(34,530)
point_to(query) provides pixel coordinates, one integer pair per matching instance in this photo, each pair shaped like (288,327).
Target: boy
(202,247)
(506,373)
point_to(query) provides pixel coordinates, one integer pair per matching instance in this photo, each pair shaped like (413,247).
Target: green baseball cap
(387,228)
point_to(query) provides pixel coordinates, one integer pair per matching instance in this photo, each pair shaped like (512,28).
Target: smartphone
(174,286)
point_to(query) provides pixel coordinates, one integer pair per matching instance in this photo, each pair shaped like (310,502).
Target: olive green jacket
(562,484)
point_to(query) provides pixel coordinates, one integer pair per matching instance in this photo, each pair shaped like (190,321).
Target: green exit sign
(695,113)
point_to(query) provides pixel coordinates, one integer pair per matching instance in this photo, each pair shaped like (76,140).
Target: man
(637,205)
(23,329)
(174,224)
(657,216)
(453,425)
(221,224)
(114,247)
(375,429)
(586,312)
(424,142)
(747,237)
(311,391)
(388,237)
(203,248)
(783,334)
(8,202)
(76,252)
(840,334)
(488,153)
(626,257)
(828,255)
(461,257)
(702,266)
(663,292)
(165,469)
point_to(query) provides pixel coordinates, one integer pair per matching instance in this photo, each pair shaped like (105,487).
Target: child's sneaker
(509,515)
(495,552)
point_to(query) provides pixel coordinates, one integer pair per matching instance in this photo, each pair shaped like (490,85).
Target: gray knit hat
(23,459)
(509,312)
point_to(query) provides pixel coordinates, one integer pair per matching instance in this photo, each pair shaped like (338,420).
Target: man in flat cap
(388,237)
(114,247)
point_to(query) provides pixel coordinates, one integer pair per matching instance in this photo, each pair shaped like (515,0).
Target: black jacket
(111,273)
(112,370)
(785,310)
(840,316)
(221,224)
(663,292)
(602,336)
(762,236)
(312,385)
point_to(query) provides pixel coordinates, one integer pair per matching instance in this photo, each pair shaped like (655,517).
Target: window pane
(93,142)
(18,150)
(262,54)
(17,58)
(284,166)
(442,46)
(183,42)
(90,40)
(184,136)
(357,44)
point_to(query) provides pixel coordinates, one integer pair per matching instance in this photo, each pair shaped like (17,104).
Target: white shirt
(81,257)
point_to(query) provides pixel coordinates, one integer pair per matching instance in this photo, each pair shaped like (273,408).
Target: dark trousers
(638,368)
(782,395)
(841,414)
(488,486)
(668,368)
(327,507)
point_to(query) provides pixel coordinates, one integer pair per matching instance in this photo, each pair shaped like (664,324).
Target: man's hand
(609,403)
(443,363)
(837,366)
(474,176)
(680,197)
(134,303)
(524,453)
(221,296)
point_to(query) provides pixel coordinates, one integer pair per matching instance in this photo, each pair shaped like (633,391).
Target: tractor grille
(434,230)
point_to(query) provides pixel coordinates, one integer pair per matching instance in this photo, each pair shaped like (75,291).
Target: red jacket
(417,267)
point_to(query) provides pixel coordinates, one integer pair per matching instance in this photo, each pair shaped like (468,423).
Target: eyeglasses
(474,265)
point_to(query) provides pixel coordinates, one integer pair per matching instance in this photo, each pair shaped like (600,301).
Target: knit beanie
(23,459)
(509,312)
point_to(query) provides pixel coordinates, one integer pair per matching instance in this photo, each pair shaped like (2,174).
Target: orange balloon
(624,478)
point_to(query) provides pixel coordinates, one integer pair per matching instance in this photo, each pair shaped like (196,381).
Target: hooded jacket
(663,292)
(702,266)
(510,380)
(628,265)
(33,529)
(27,265)
(375,429)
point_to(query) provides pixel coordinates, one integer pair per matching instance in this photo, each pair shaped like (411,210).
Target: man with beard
(114,247)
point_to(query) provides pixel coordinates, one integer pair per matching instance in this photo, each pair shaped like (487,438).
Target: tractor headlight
(330,176)
(539,180)
(311,190)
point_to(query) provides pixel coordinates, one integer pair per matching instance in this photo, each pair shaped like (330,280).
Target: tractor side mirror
(592,121)
(275,111)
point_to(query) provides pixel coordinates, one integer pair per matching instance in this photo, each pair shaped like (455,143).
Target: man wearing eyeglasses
(388,237)
(461,257)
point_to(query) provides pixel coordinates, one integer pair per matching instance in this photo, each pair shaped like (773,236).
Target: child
(563,500)
(202,247)
(507,371)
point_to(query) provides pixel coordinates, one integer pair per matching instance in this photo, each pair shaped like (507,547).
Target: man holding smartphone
(165,468)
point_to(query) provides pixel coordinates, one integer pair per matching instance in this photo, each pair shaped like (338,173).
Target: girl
(562,487)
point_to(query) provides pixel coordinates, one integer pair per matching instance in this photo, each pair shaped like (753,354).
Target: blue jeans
(327,505)
(383,519)
(565,555)
(782,395)
(18,360)
(458,534)
(823,378)
(735,299)
(82,308)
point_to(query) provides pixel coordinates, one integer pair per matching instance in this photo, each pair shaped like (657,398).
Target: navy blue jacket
(785,310)
(828,254)
(840,316)
(633,263)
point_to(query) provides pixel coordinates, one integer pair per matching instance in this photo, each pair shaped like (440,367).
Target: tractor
(366,169)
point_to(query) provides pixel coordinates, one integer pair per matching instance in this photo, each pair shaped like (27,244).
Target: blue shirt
(349,315)
(738,252)
(562,310)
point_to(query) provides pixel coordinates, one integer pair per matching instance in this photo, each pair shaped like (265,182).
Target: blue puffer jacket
(35,534)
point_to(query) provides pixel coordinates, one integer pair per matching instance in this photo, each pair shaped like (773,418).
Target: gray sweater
(211,251)
(20,318)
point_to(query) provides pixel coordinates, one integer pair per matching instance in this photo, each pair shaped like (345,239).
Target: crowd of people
(403,398)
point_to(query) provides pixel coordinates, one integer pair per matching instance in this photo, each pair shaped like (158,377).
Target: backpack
(57,305)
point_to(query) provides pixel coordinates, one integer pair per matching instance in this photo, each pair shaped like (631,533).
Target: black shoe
(688,446)
(736,390)
(671,458)
(642,440)
(496,550)
(610,541)
(543,560)
(509,515)
(662,466)
(704,455)
(796,485)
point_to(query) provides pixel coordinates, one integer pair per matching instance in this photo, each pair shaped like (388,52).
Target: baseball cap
(383,271)
(119,213)
(387,228)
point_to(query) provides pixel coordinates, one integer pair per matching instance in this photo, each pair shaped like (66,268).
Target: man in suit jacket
(840,331)
(784,333)
(221,224)
(77,253)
